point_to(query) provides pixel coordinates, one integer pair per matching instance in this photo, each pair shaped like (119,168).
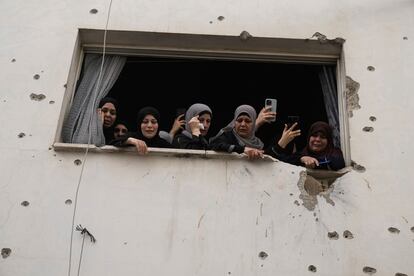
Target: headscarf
(109,100)
(251,141)
(109,131)
(148,110)
(326,130)
(194,110)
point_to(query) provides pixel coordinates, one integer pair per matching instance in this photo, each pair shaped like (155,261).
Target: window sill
(208,154)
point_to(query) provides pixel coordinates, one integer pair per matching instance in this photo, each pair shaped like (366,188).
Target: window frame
(201,46)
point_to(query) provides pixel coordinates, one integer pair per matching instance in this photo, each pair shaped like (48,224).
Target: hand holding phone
(272,103)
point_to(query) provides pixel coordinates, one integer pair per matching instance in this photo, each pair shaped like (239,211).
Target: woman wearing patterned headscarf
(239,135)
(198,120)
(320,152)
(147,133)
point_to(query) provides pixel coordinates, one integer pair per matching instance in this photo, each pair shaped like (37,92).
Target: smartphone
(179,111)
(292,119)
(273,104)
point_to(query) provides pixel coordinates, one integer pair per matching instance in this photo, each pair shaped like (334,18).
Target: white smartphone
(273,104)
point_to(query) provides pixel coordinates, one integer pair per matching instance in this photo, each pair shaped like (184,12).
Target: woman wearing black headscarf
(107,112)
(147,133)
(320,152)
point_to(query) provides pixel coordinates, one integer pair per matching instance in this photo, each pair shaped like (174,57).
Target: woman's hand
(253,153)
(194,124)
(101,115)
(179,123)
(288,135)
(139,144)
(309,162)
(265,116)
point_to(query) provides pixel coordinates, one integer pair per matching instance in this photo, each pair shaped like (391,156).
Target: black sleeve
(184,142)
(337,160)
(227,143)
(283,155)
(120,142)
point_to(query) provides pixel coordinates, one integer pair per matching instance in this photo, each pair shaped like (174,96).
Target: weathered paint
(194,216)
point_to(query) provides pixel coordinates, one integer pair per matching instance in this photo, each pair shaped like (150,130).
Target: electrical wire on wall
(97,87)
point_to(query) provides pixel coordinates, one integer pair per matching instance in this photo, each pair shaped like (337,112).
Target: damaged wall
(160,215)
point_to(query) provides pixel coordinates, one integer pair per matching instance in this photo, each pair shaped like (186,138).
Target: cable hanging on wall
(79,227)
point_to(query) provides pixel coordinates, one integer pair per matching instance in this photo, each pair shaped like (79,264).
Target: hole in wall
(220,18)
(371,68)
(77,162)
(263,255)
(333,235)
(348,234)
(36,76)
(93,11)
(68,201)
(372,118)
(394,230)
(21,135)
(5,252)
(25,203)
(369,270)
(368,129)
(312,268)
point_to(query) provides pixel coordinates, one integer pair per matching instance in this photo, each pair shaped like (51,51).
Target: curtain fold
(83,111)
(327,77)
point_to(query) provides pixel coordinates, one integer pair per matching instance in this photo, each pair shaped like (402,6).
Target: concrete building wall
(195,216)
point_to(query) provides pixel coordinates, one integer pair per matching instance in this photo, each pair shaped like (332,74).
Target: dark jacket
(184,142)
(155,142)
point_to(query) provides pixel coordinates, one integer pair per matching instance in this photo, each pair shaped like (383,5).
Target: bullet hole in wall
(368,129)
(93,11)
(211,22)
(21,135)
(263,255)
(36,76)
(372,118)
(37,97)
(348,234)
(25,203)
(412,229)
(245,35)
(51,102)
(68,201)
(400,274)
(394,230)
(405,38)
(5,252)
(65,85)
(77,162)
(357,167)
(371,68)
(333,235)
(13,60)
(296,202)
(312,268)
(369,270)
(220,18)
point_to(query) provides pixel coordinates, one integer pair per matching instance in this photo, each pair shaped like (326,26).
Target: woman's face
(244,126)
(149,126)
(120,130)
(205,119)
(318,142)
(109,112)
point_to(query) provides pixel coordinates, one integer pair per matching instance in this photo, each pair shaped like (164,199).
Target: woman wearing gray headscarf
(239,135)
(198,120)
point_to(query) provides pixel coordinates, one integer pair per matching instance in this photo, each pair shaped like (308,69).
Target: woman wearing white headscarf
(198,120)
(239,135)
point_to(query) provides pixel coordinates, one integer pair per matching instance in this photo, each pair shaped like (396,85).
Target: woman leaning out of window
(147,133)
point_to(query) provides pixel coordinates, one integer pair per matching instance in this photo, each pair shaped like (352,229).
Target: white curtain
(84,107)
(327,77)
